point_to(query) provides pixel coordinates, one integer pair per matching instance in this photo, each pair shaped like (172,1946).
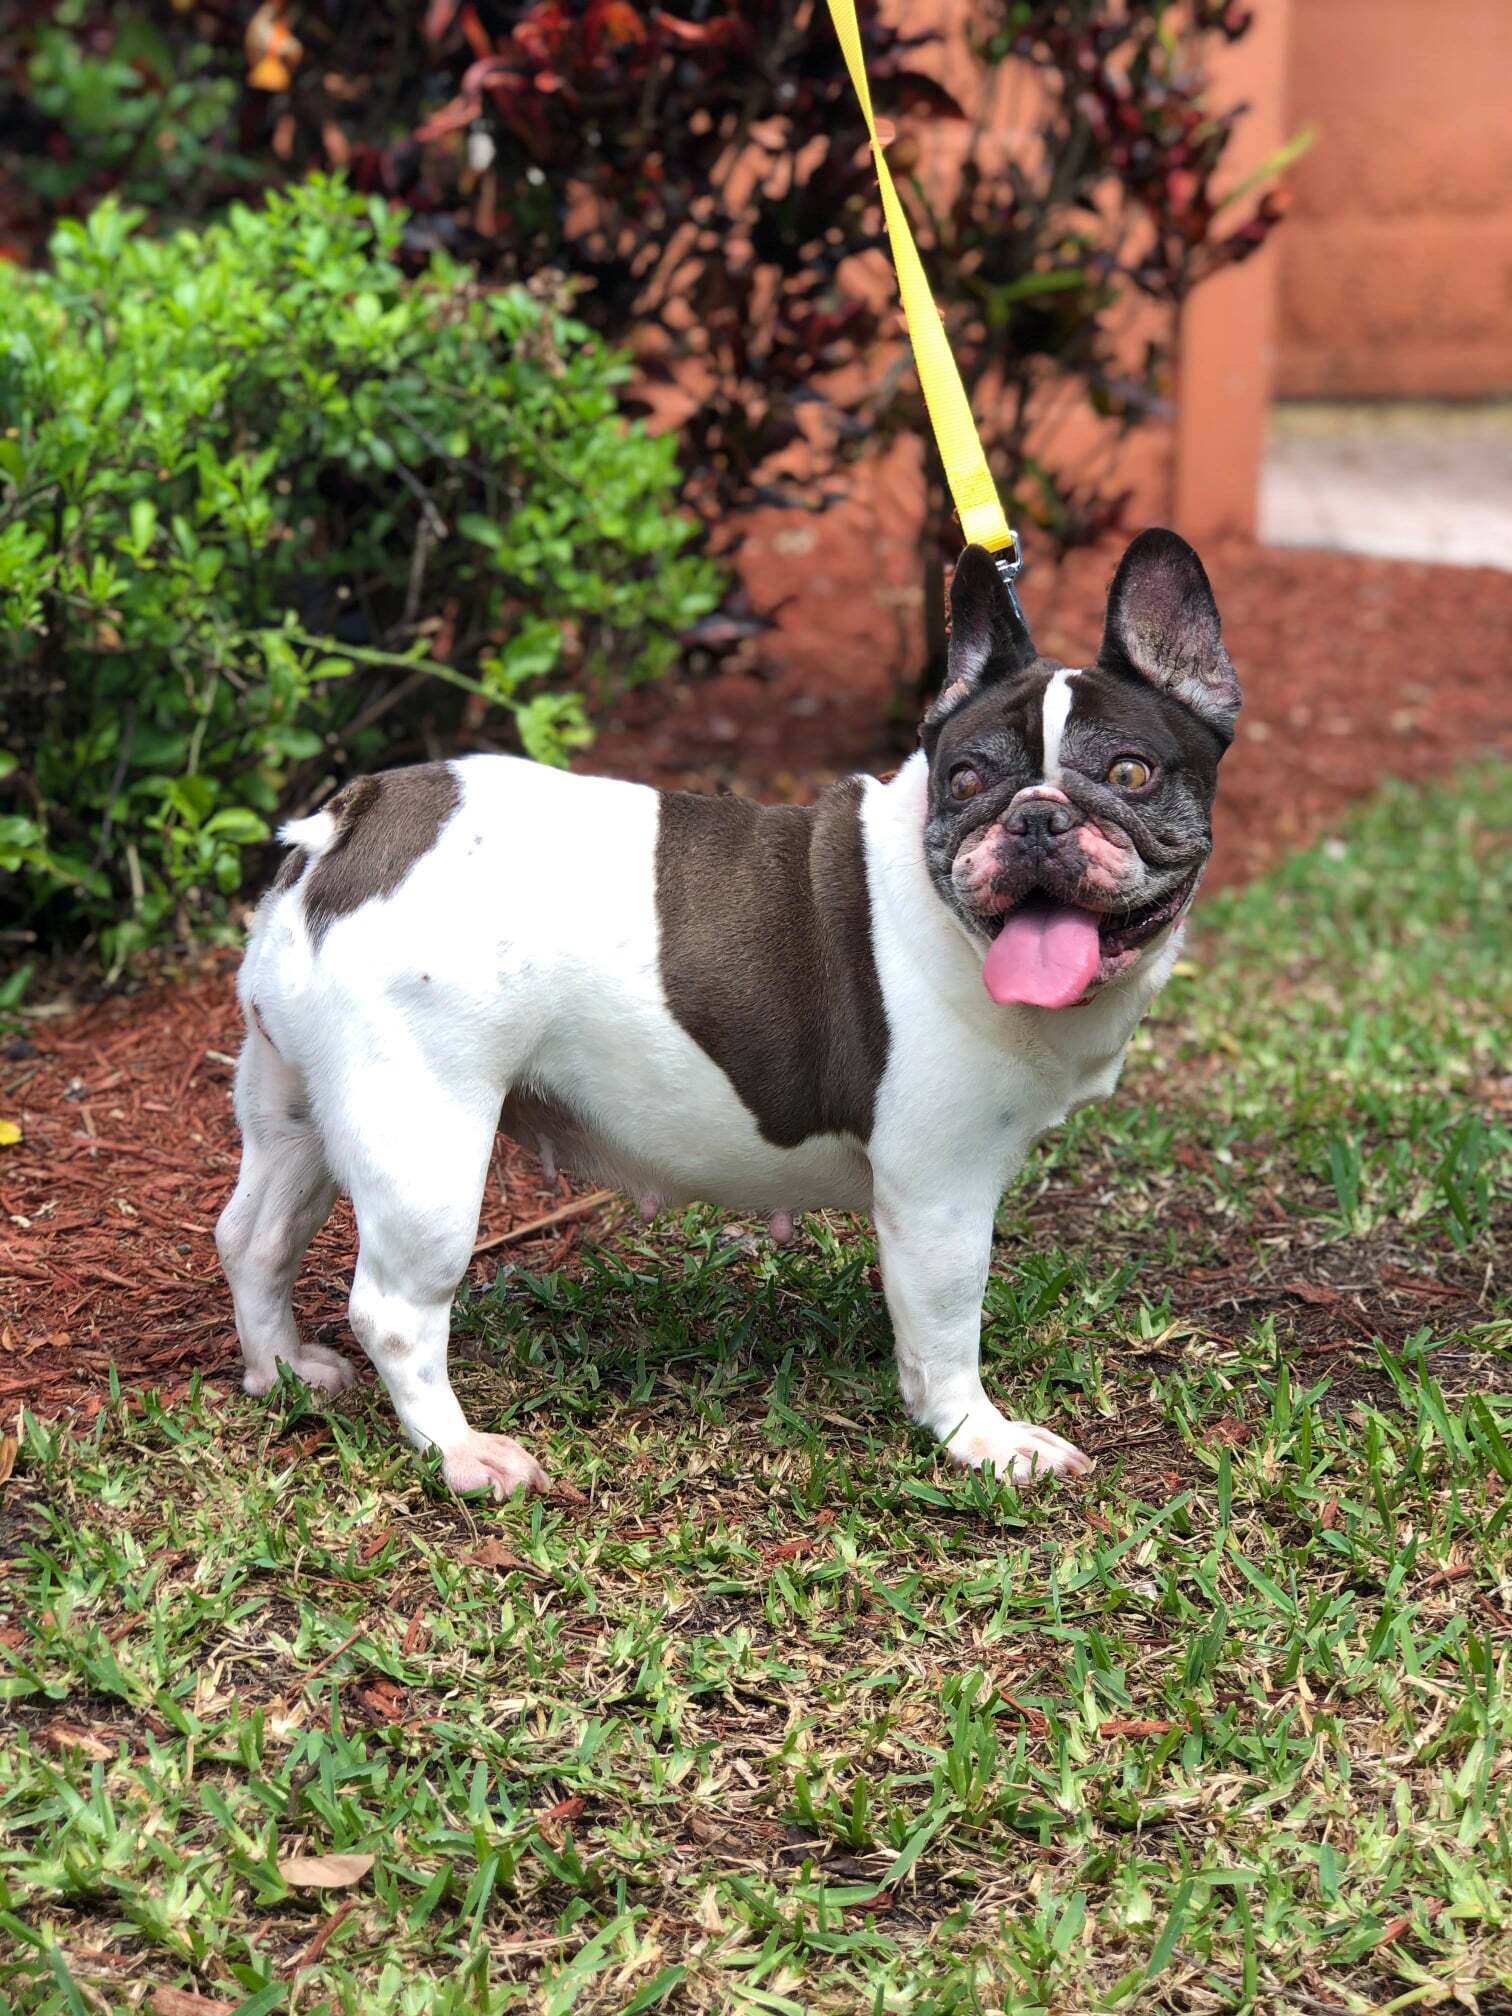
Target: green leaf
(656,1989)
(1170,1933)
(238,824)
(551,726)
(593,1957)
(73,2001)
(1287,155)
(1030,286)
(264,2001)
(192,796)
(472,525)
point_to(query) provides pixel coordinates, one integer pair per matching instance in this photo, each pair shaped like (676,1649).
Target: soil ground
(1355,670)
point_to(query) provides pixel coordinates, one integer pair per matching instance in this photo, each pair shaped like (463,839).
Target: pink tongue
(1046,955)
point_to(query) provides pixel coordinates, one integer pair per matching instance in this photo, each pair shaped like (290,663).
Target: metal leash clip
(1009,562)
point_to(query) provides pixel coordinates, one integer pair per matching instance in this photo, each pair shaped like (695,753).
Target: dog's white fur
(1057,712)
(521,952)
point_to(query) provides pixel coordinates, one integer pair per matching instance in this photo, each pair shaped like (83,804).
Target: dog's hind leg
(283,1196)
(411,1139)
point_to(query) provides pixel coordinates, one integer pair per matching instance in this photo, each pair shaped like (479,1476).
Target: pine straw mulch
(1355,670)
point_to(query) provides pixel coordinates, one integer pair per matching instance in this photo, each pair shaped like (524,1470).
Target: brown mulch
(1354,670)
(109,1203)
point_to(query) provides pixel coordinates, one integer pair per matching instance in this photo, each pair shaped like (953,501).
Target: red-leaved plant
(693,177)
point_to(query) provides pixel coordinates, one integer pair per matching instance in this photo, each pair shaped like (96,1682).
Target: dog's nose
(1039,818)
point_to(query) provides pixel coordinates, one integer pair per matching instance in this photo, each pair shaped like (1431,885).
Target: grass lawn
(791,1716)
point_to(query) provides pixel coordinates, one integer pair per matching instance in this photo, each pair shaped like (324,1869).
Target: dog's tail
(315,835)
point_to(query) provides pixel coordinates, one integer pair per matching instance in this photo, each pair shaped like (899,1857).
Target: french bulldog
(874,1004)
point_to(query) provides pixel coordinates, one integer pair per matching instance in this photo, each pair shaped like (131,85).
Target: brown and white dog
(874,1004)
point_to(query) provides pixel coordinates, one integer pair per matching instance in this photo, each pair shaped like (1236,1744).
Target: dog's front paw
(1015,1449)
(492,1463)
(322,1370)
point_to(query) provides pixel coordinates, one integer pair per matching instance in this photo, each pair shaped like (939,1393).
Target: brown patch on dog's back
(384,825)
(766,955)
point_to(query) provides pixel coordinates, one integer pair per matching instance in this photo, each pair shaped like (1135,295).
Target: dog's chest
(970,1108)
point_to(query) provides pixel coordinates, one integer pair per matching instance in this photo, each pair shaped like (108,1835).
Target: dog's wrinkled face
(1070,809)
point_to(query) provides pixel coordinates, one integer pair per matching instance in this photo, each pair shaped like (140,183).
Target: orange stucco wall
(1396,263)
(1228,346)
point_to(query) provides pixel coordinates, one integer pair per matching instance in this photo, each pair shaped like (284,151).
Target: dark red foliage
(1118,202)
(696,174)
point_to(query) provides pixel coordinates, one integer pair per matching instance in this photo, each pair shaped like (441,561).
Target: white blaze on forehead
(1057,713)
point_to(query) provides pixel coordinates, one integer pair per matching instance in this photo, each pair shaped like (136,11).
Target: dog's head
(1070,810)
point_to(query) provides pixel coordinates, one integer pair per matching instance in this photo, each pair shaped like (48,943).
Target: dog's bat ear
(988,637)
(1163,624)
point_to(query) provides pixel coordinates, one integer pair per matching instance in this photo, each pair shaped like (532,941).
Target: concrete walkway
(1406,481)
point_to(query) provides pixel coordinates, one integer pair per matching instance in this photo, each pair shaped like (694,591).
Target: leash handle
(978,506)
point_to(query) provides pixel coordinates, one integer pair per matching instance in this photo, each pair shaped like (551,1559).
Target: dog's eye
(965,782)
(1129,774)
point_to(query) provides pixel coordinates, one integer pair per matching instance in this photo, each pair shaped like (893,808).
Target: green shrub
(145,112)
(269,510)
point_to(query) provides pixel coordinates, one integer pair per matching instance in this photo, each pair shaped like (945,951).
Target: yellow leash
(977,503)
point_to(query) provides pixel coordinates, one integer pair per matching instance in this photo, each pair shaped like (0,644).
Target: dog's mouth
(1046,954)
